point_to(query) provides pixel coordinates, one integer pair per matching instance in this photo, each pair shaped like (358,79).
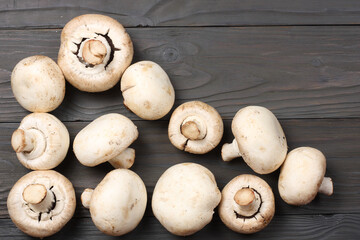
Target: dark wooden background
(301,59)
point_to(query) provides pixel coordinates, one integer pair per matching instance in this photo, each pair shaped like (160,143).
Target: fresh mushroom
(95,50)
(302,176)
(247,204)
(195,127)
(107,138)
(184,198)
(147,90)
(259,140)
(118,203)
(38,84)
(41,142)
(41,203)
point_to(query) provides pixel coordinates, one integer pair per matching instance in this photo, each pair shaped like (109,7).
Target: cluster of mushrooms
(95,53)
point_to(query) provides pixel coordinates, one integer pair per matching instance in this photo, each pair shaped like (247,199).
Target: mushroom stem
(246,200)
(86,197)
(124,160)
(38,197)
(22,141)
(326,186)
(230,151)
(94,52)
(193,128)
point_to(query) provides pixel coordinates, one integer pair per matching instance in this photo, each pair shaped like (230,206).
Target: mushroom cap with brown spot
(104,138)
(38,84)
(118,203)
(301,175)
(228,206)
(63,211)
(57,141)
(112,35)
(147,90)
(211,119)
(184,198)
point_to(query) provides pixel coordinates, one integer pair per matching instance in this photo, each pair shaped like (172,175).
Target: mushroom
(302,176)
(247,204)
(195,127)
(41,203)
(147,90)
(95,50)
(118,203)
(107,138)
(259,140)
(41,142)
(184,198)
(38,84)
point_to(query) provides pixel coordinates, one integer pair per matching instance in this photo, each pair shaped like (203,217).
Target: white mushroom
(147,90)
(247,204)
(195,127)
(38,84)
(41,203)
(259,140)
(41,142)
(118,203)
(107,138)
(95,50)
(184,198)
(302,176)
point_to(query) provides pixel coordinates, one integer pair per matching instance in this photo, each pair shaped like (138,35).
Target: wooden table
(301,59)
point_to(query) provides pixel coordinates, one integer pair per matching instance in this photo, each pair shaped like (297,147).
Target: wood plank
(338,226)
(298,72)
(55,14)
(154,154)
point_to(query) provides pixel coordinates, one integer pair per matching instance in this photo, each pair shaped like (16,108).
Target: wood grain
(154,154)
(297,72)
(55,14)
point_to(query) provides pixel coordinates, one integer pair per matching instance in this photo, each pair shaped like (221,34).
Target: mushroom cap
(50,222)
(260,139)
(301,175)
(228,208)
(104,138)
(112,35)
(118,203)
(147,90)
(38,84)
(210,118)
(57,141)
(184,198)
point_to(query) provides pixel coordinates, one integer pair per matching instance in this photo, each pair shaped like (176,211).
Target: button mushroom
(259,140)
(184,198)
(195,127)
(118,203)
(107,139)
(302,176)
(41,142)
(95,50)
(247,204)
(147,90)
(41,203)
(38,84)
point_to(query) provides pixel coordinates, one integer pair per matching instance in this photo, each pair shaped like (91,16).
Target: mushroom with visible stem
(259,140)
(38,84)
(302,176)
(247,204)
(106,139)
(41,203)
(147,90)
(195,127)
(184,198)
(94,52)
(41,142)
(118,203)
